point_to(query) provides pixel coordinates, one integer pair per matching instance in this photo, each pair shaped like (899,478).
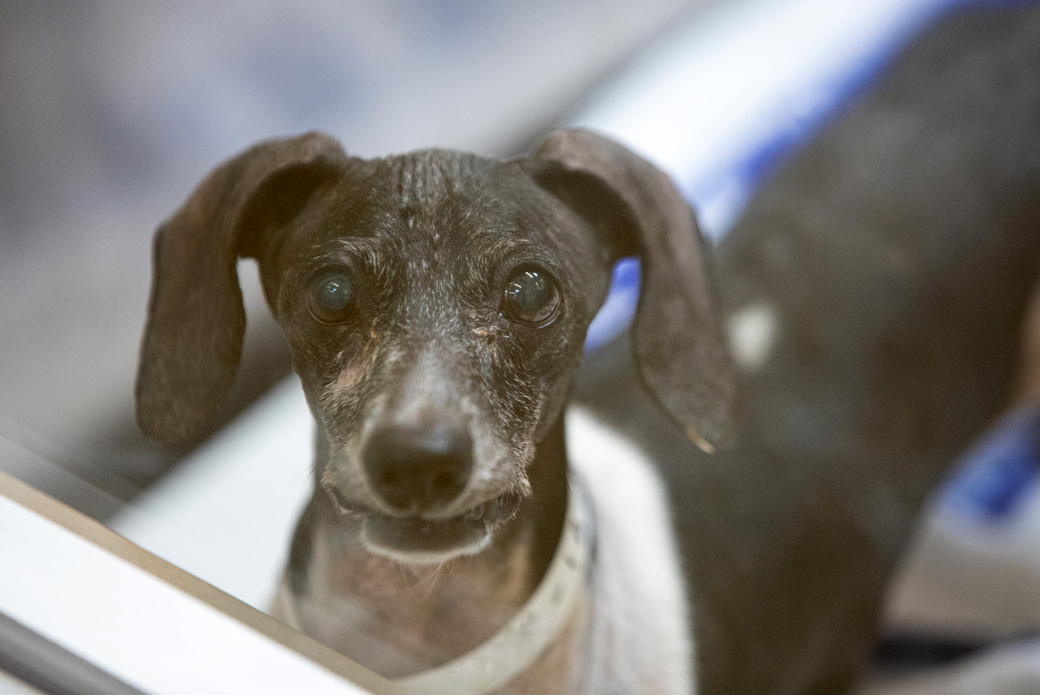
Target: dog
(867,309)
(875,293)
(436,305)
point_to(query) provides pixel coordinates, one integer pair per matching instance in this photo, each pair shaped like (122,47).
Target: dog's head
(436,305)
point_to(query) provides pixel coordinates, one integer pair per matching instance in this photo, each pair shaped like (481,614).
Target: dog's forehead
(448,197)
(427,177)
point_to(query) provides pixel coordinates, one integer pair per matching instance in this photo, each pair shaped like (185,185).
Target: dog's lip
(493,511)
(422,539)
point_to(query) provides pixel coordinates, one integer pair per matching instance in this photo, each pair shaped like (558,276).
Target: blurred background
(111,111)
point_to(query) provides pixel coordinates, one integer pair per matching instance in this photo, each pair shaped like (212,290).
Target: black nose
(418,468)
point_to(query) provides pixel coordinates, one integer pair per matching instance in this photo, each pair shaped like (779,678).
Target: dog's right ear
(193,337)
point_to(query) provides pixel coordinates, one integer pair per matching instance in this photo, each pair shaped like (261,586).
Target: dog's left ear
(679,346)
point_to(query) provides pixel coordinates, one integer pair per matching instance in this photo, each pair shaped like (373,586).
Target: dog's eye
(332,298)
(531,298)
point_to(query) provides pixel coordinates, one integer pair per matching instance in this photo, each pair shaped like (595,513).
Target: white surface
(227,513)
(967,577)
(135,626)
(10,686)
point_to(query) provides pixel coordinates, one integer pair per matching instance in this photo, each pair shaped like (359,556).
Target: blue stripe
(999,471)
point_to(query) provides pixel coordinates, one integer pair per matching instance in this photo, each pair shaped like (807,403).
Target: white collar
(536,627)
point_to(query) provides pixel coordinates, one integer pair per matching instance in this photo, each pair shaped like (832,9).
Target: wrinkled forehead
(443,206)
(440,197)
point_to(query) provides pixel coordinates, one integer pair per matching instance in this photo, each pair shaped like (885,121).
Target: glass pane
(112,114)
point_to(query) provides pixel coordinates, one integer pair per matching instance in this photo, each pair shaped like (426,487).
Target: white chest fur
(639,640)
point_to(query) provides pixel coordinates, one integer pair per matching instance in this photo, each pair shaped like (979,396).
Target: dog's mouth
(419,540)
(422,541)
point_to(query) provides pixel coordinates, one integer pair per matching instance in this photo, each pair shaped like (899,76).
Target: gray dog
(436,304)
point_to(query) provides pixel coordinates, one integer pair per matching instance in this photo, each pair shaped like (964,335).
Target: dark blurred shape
(891,262)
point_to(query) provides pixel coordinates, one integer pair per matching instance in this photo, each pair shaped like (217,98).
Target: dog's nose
(418,468)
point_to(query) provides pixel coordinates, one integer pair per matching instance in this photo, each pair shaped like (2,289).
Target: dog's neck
(399,619)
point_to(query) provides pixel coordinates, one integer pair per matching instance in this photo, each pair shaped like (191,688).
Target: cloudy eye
(531,298)
(331,298)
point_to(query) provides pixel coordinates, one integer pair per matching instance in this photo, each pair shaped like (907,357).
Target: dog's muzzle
(416,470)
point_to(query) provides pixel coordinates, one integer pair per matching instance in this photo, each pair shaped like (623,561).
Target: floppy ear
(679,346)
(193,336)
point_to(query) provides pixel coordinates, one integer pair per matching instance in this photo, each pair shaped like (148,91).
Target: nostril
(390,479)
(418,468)
(393,489)
(444,484)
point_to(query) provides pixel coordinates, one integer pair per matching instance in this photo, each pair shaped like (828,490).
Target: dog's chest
(628,632)
(399,619)
(638,631)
